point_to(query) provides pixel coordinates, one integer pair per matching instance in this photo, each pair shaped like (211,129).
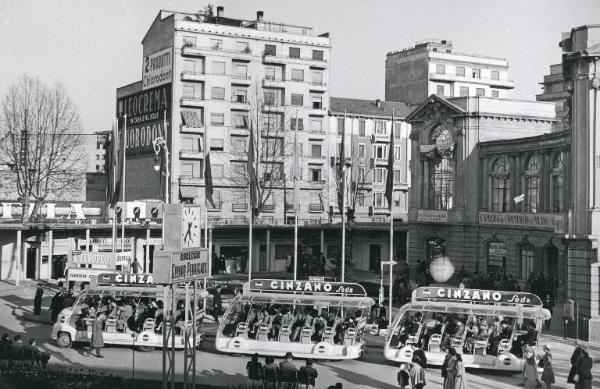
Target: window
(218,67)
(361,174)
(242,47)
(217,119)
(270,72)
(239,144)
(500,185)
(297,123)
(217,93)
(216,144)
(397,130)
(526,260)
(440,90)
(440,69)
(187,169)
(380,127)
(294,52)
(216,44)
(558,191)
(361,128)
(460,71)
(495,75)
(315,151)
(272,147)
(191,91)
(380,151)
(480,92)
(341,126)
(272,123)
(443,170)
(316,125)
(190,144)
(495,93)
(315,175)
(297,75)
(239,96)
(240,121)
(464,91)
(272,97)
(297,99)
(317,102)
(240,70)
(397,176)
(316,77)
(190,66)
(378,200)
(189,41)
(361,150)
(532,184)
(379,175)
(238,201)
(317,55)
(217,171)
(397,152)
(360,199)
(270,50)
(476,73)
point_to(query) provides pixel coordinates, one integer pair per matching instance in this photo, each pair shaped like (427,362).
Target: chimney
(259,16)
(220,11)
(378,103)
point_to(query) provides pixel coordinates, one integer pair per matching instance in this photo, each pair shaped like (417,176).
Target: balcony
(318,87)
(239,207)
(317,110)
(190,154)
(315,208)
(240,104)
(273,58)
(193,76)
(192,181)
(273,108)
(194,102)
(242,56)
(191,130)
(273,83)
(240,79)
(192,51)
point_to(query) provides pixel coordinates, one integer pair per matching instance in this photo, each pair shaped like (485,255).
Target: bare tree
(40,130)
(272,146)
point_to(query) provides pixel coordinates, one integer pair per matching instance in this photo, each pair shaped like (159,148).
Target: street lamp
(158,144)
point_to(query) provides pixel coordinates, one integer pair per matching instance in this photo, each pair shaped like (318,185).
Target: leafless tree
(267,122)
(40,130)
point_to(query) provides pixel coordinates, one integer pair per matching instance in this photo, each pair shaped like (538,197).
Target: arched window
(526,259)
(532,184)
(500,185)
(558,191)
(443,170)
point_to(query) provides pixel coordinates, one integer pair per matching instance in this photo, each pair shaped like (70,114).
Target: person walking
(217,303)
(270,374)
(546,364)
(288,373)
(574,358)
(530,373)
(583,370)
(135,266)
(37,300)
(255,371)
(417,375)
(56,305)
(307,375)
(451,370)
(461,374)
(403,376)
(97,341)
(548,303)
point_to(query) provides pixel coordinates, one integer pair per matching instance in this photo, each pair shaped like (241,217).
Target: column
(425,179)
(87,240)
(50,253)
(268,252)
(147,253)
(323,241)
(18,251)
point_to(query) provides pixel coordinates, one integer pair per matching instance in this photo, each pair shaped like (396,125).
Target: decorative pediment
(436,109)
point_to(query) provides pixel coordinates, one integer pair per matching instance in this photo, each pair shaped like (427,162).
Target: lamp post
(158,144)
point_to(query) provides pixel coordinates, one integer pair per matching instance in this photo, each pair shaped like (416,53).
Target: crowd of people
(16,353)
(277,320)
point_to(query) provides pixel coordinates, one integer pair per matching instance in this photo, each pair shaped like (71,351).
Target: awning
(189,192)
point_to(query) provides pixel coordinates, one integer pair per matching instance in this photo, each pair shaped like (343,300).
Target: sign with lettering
(74,211)
(124,279)
(475,296)
(83,275)
(94,259)
(432,216)
(157,68)
(557,222)
(308,287)
(172,267)
(147,111)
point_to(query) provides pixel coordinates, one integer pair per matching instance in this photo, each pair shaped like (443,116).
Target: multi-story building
(433,67)
(100,156)
(554,89)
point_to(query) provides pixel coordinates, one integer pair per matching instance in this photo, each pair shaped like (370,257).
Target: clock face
(190,227)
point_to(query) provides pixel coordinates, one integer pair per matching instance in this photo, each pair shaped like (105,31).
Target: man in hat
(583,369)
(37,300)
(574,358)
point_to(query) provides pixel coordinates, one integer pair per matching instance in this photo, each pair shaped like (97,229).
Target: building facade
(554,89)
(433,67)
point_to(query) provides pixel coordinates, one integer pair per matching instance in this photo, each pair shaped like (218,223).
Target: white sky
(95,46)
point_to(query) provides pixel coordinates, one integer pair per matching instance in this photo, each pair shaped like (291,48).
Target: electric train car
(133,317)
(310,319)
(489,328)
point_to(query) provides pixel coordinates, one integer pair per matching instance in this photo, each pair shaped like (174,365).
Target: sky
(93,47)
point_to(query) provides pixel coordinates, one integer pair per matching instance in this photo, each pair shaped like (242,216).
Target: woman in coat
(461,375)
(546,364)
(451,369)
(583,370)
(97,337)
(530,374)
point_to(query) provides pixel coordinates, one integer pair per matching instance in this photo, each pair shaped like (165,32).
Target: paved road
(214,368)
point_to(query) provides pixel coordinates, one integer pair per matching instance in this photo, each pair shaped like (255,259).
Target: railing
(239,207)
(315,208)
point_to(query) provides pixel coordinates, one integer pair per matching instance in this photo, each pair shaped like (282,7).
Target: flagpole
(123,186)
(391,171)
(115,141)
(343,210)
(250,199)
(296,199)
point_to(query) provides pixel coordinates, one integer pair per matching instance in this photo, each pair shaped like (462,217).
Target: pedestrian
(217,303)
(417,375)
(56,305)
(419,356)
(97,341)
(546,364)
(254,370)
(135,266)
(68,300)
(288,373)
(583,370)
(5,345)
(549,305)
(16,350)
(574,358)
(222,267)
(37,300)
(530,373)
(270,373)
(307,375)
(450,369)
(461,374)
(403,376)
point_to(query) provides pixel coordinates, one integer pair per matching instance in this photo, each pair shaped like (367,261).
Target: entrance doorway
(262,258)
(550,262)
(59,263)
(374,257)
(31,257)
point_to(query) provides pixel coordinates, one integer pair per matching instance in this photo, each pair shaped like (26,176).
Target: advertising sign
(286,286)
(157,68)
(83,275)
(147,111)
(172,267)
(124,279)
(476,295)
(94,259)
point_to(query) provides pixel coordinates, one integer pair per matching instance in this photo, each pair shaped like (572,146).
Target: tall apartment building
(100,155)
(433,67)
